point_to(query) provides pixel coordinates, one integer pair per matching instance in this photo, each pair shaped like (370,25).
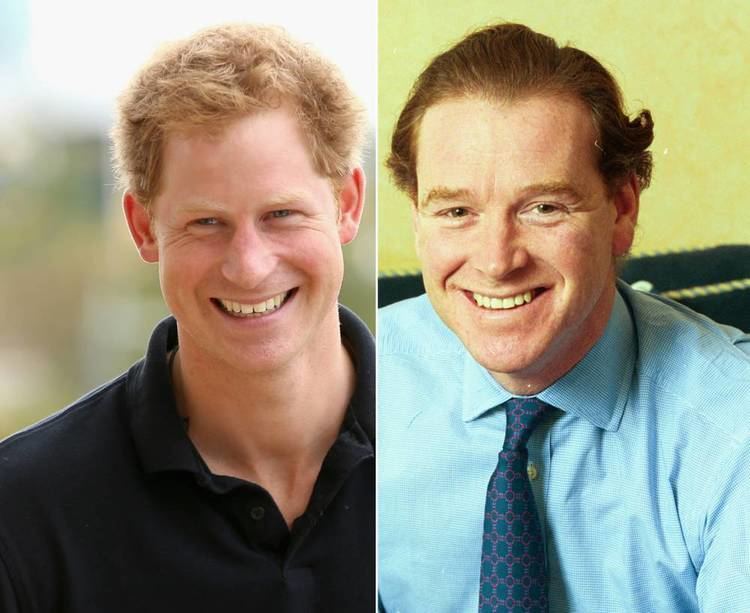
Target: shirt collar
(361,346)
(159,432)
(595,389)
(157,428)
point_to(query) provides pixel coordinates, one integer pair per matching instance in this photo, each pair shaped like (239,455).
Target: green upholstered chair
(713,281)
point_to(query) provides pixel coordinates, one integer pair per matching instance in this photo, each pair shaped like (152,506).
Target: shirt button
(532,471)
(257,513)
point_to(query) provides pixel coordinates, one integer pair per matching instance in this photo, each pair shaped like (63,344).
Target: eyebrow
(281,200)
(446,193)
(195,206)
(442,192)
(550,187)
(289,198)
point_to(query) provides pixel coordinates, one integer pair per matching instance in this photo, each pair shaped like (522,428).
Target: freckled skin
(510,200)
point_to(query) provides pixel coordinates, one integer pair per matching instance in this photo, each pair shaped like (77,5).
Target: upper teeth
(489,302)
(240,308)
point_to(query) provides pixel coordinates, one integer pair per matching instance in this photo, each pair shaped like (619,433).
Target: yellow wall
(686,61)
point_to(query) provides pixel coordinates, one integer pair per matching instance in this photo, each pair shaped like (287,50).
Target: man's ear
(139,224)
(351,194)
(626,200)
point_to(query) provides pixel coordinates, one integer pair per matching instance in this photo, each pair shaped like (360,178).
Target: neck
(271,427)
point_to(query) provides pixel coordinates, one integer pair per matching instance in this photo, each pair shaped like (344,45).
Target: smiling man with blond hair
(549,438)
(232,468)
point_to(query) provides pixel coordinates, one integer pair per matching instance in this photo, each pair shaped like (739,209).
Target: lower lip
(260,318)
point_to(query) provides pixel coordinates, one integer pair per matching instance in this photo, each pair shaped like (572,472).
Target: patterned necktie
(513,575)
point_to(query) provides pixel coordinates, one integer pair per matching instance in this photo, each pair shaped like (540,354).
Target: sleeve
(724,576)
(8,600)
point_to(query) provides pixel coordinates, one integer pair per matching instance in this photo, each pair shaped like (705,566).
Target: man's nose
(249,257)
(500,248)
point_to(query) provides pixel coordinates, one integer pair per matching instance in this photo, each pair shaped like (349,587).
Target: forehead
(261,152)
(535,139)
(276,131)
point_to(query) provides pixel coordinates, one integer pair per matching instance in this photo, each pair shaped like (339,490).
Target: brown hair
(509,61)
(220,74)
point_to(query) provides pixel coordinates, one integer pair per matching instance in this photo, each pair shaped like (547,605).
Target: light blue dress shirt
(642,475)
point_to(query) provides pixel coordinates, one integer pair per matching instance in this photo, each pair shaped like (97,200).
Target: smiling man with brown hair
(550,439)
(232,468)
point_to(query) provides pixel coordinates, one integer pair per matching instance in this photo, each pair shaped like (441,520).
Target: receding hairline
(498,101)
(510,59)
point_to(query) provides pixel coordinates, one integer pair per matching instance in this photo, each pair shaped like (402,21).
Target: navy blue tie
(513,576)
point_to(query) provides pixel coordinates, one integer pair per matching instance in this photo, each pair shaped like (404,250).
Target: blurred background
(688,62)
(77,305)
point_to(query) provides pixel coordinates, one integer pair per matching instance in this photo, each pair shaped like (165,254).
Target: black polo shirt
(107,507)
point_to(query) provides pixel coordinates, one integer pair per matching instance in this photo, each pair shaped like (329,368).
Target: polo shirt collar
(359,341)
(157,428)
(595,389)
(159,432)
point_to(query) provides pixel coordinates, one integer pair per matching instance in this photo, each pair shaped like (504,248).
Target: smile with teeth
(508,302)
(239,309)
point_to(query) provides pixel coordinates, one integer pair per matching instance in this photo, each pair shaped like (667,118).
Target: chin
(505,357)
(505,367)
(492,360)
(255,358)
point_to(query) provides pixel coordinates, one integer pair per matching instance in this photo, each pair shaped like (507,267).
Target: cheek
(565,252)
(578,249)
(584,259)
(439,253)
(319,254)
(186,263)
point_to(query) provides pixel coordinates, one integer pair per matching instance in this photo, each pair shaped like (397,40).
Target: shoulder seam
(741,448)
(72,408)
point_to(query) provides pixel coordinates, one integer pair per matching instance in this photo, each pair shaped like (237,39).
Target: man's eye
(206,221)
(456,212)
(545,208)
(281,213)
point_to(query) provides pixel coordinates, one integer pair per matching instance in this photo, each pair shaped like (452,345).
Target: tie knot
(522,415)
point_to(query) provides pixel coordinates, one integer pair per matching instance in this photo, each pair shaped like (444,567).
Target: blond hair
(220,74)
